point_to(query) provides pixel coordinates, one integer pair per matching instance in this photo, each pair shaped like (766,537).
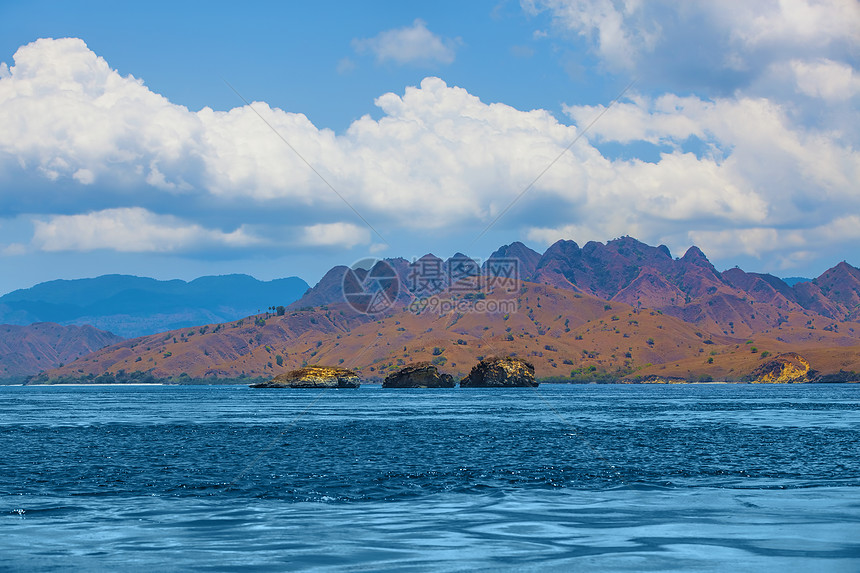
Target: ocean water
(558,478)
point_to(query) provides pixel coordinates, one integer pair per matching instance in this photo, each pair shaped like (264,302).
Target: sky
(181,139)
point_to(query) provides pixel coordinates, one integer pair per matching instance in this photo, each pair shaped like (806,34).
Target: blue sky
(124,150)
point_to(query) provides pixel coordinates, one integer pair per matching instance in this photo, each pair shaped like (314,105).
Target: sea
(711,477)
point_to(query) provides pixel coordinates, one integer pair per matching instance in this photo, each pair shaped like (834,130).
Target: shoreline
(66,384)
(114,384)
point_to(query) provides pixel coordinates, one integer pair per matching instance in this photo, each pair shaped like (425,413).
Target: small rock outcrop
(419,375)
(504,372)
(788,368)
(313,377)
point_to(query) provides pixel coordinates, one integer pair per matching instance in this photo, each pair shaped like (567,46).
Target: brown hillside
(556,329)
(27,350)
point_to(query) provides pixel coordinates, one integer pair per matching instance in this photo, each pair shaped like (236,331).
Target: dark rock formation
(500,373)
(836,377)
(419,375)
(313,377)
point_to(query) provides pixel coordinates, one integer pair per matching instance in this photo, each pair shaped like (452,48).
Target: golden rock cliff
(788,368)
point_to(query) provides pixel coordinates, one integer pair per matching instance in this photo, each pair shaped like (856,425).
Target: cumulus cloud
(826,79)
(130,230)
(409,45)
(68,117)
(437,161)
(753,138)
(335,234)
(66,114)
(754,166)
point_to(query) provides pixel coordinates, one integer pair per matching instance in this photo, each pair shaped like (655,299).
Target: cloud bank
(129,230)
(721,39)
(742,173)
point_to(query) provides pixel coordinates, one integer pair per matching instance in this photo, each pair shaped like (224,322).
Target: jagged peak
(458,256)
(844,267)
(514,249)
(592,246)
(836,274)
(841,269)
(625,241)
(429,257)
(694,253)
(462,264)
(563,249)
(528,259)
(335,271)
(626,245)
(562,244)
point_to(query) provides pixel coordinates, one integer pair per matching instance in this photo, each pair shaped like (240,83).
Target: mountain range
(131,306)
(622,309)
(629,271)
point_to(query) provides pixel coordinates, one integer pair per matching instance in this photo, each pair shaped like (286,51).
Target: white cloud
(750,141)
(797,243)
(409,45)
(87,177)
(130,230)
(14,250)
(619,30)
(438,161)
(335,234)
(757,174)
(811,23)
(64,112)
(826,79)
(753,241)
(711,45)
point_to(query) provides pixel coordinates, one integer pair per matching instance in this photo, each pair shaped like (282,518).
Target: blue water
(608,478)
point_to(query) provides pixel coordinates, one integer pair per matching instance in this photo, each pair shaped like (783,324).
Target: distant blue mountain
(791,281)
(133,306)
